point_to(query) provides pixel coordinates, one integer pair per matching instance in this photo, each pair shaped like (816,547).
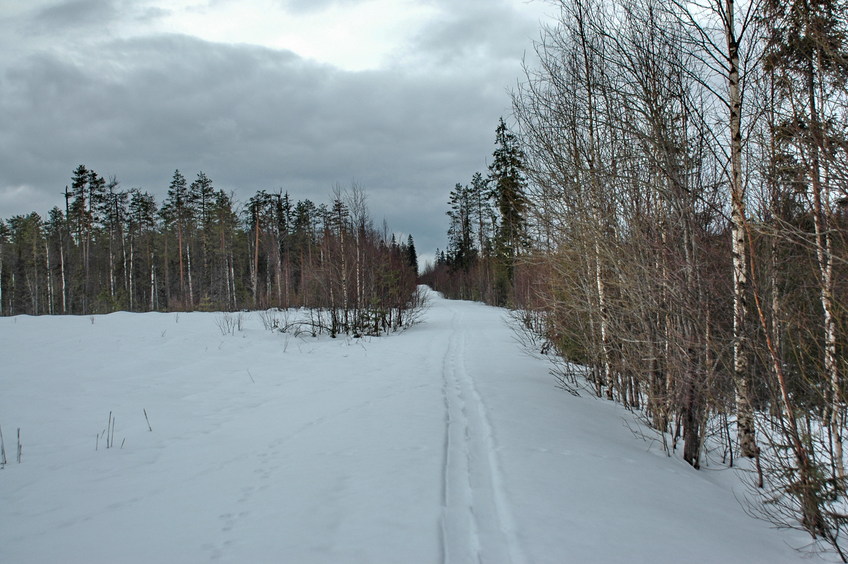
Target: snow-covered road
(445,443)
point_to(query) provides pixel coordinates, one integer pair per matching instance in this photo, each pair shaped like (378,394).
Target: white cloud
(351,35)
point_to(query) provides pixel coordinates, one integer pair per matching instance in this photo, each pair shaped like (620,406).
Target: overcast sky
(399,96)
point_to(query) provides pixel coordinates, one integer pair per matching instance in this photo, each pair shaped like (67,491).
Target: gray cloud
(76,13)
(487,31)
(312,6)
(254,118)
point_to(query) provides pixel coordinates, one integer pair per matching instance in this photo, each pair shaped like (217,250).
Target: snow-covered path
(441,444)
(477,523)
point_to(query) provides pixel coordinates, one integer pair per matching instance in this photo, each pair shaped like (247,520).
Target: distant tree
(58,243)
(28,267)
(303,237)
(201,196)
(225,232)
(142,251)
(178,214)
(85,216)
(4,244)
(484,220)
(508,185)
(412,254)
(461,251)
(482,214)
(113,216)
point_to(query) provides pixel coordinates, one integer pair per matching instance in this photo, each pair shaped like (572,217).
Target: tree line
(685,210)
(113,249)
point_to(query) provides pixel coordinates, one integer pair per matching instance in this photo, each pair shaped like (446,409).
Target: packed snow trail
(443,443)
(476,523)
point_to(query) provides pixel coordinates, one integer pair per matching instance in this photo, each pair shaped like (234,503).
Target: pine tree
(58,241)
(177,213)
(28,264)
(202,199)
(141,227)
(77,209)
(113,216)
(461,251)
(482,214)
(225,228)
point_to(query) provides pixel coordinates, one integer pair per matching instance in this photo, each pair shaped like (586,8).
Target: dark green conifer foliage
(412,254)
(461,251)
(508,186)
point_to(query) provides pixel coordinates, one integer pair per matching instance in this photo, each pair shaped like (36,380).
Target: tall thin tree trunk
(2,309)
(741,361)
(125,267)
(111,269)
(153,281)
(180,253)
(167,268)
(129,274)
(62,274)
(190,284)
(824,256)
(255,273)
(50,306)
(595,204)
(232,282)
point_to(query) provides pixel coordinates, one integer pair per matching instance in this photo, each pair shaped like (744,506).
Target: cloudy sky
(399,96)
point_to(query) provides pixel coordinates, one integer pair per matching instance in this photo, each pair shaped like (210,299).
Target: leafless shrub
(228,323)
(270,319)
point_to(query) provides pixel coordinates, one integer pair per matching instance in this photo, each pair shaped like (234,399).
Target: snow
(443,443)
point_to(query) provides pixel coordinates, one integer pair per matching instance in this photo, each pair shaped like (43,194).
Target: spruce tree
(508,187)
(412,255)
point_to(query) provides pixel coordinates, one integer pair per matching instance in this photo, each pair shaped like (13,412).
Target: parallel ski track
(476,524)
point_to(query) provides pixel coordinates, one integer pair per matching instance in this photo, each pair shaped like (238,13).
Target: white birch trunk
(50,306)
(62,274)
(190,284)
(741,361)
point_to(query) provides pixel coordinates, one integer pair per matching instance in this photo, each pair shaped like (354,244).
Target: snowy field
(444,443)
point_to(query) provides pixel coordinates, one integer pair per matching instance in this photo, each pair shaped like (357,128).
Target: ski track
(476,523)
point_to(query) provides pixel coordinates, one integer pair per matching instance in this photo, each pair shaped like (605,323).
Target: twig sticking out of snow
(149,428)
(2,450)
(20,449)
(112,437)
(110,431)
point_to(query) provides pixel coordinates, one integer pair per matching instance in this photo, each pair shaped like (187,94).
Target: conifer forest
(112,249)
